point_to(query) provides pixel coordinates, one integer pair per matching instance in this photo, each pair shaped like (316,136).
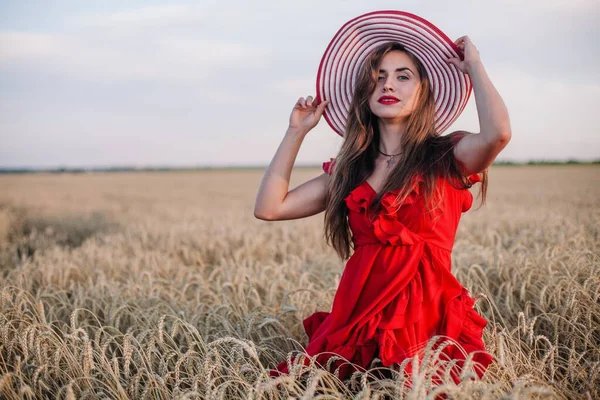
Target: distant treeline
(251,167)
(547,162)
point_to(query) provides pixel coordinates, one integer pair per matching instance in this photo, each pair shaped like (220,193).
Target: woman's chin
(390,117)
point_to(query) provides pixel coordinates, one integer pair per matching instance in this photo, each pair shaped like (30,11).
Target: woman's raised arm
(476,152)
(274,202)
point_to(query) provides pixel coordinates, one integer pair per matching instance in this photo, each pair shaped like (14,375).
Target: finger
(303,102)
(460,39)
(452,61)
(322,105)
(309,101)
(299,102)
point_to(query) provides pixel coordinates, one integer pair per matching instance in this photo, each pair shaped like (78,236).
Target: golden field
(164,285)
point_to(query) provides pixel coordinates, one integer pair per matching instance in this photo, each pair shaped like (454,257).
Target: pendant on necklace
(390,162)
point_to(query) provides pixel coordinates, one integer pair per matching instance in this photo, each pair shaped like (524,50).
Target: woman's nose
(387,85)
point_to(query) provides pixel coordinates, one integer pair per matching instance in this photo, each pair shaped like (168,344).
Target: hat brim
(356,39)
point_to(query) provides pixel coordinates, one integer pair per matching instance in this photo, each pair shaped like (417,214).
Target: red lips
(388,100)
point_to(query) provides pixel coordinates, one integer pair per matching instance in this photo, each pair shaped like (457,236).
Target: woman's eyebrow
(398,70)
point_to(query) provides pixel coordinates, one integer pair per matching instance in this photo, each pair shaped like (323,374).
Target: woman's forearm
(494,122)
(275,182)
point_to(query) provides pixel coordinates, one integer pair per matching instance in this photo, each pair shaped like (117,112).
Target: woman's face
(397,88)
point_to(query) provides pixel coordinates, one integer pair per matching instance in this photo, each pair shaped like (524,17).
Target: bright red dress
(397,289)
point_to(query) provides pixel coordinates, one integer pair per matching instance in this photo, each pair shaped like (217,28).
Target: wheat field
(164,285)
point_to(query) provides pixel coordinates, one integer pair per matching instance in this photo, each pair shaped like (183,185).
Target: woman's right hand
(306,114)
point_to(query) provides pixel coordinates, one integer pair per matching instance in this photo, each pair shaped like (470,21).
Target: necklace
(390,161)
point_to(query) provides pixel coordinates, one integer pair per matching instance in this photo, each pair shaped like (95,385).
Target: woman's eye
(402,76)
(380,78)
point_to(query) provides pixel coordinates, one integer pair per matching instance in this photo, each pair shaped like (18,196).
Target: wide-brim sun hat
(357,38)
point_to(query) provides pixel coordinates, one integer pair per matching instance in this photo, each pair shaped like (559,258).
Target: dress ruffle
(467,196)
(360,349)
(474,178)
(459,322)
(358,200)
(328,166)
(387,227)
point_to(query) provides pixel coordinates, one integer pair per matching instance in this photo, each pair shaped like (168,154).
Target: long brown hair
(424,152)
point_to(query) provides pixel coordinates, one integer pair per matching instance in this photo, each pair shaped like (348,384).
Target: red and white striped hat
(349,47)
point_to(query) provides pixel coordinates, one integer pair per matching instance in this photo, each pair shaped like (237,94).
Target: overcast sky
(98,83)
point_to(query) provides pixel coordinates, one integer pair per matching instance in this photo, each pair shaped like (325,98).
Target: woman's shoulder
(454,138)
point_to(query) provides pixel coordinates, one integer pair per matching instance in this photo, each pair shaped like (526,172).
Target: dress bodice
(409,223)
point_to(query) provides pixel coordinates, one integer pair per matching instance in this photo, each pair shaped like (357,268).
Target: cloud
(162,58)
(150,15)
(205,17)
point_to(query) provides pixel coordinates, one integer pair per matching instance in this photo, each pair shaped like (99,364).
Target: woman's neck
(389,136)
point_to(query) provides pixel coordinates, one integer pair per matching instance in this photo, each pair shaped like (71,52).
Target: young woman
(395,192)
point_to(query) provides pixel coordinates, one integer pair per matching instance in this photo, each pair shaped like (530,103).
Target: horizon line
(126,167)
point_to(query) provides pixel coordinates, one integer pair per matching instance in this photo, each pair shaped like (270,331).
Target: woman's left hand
(470,52)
